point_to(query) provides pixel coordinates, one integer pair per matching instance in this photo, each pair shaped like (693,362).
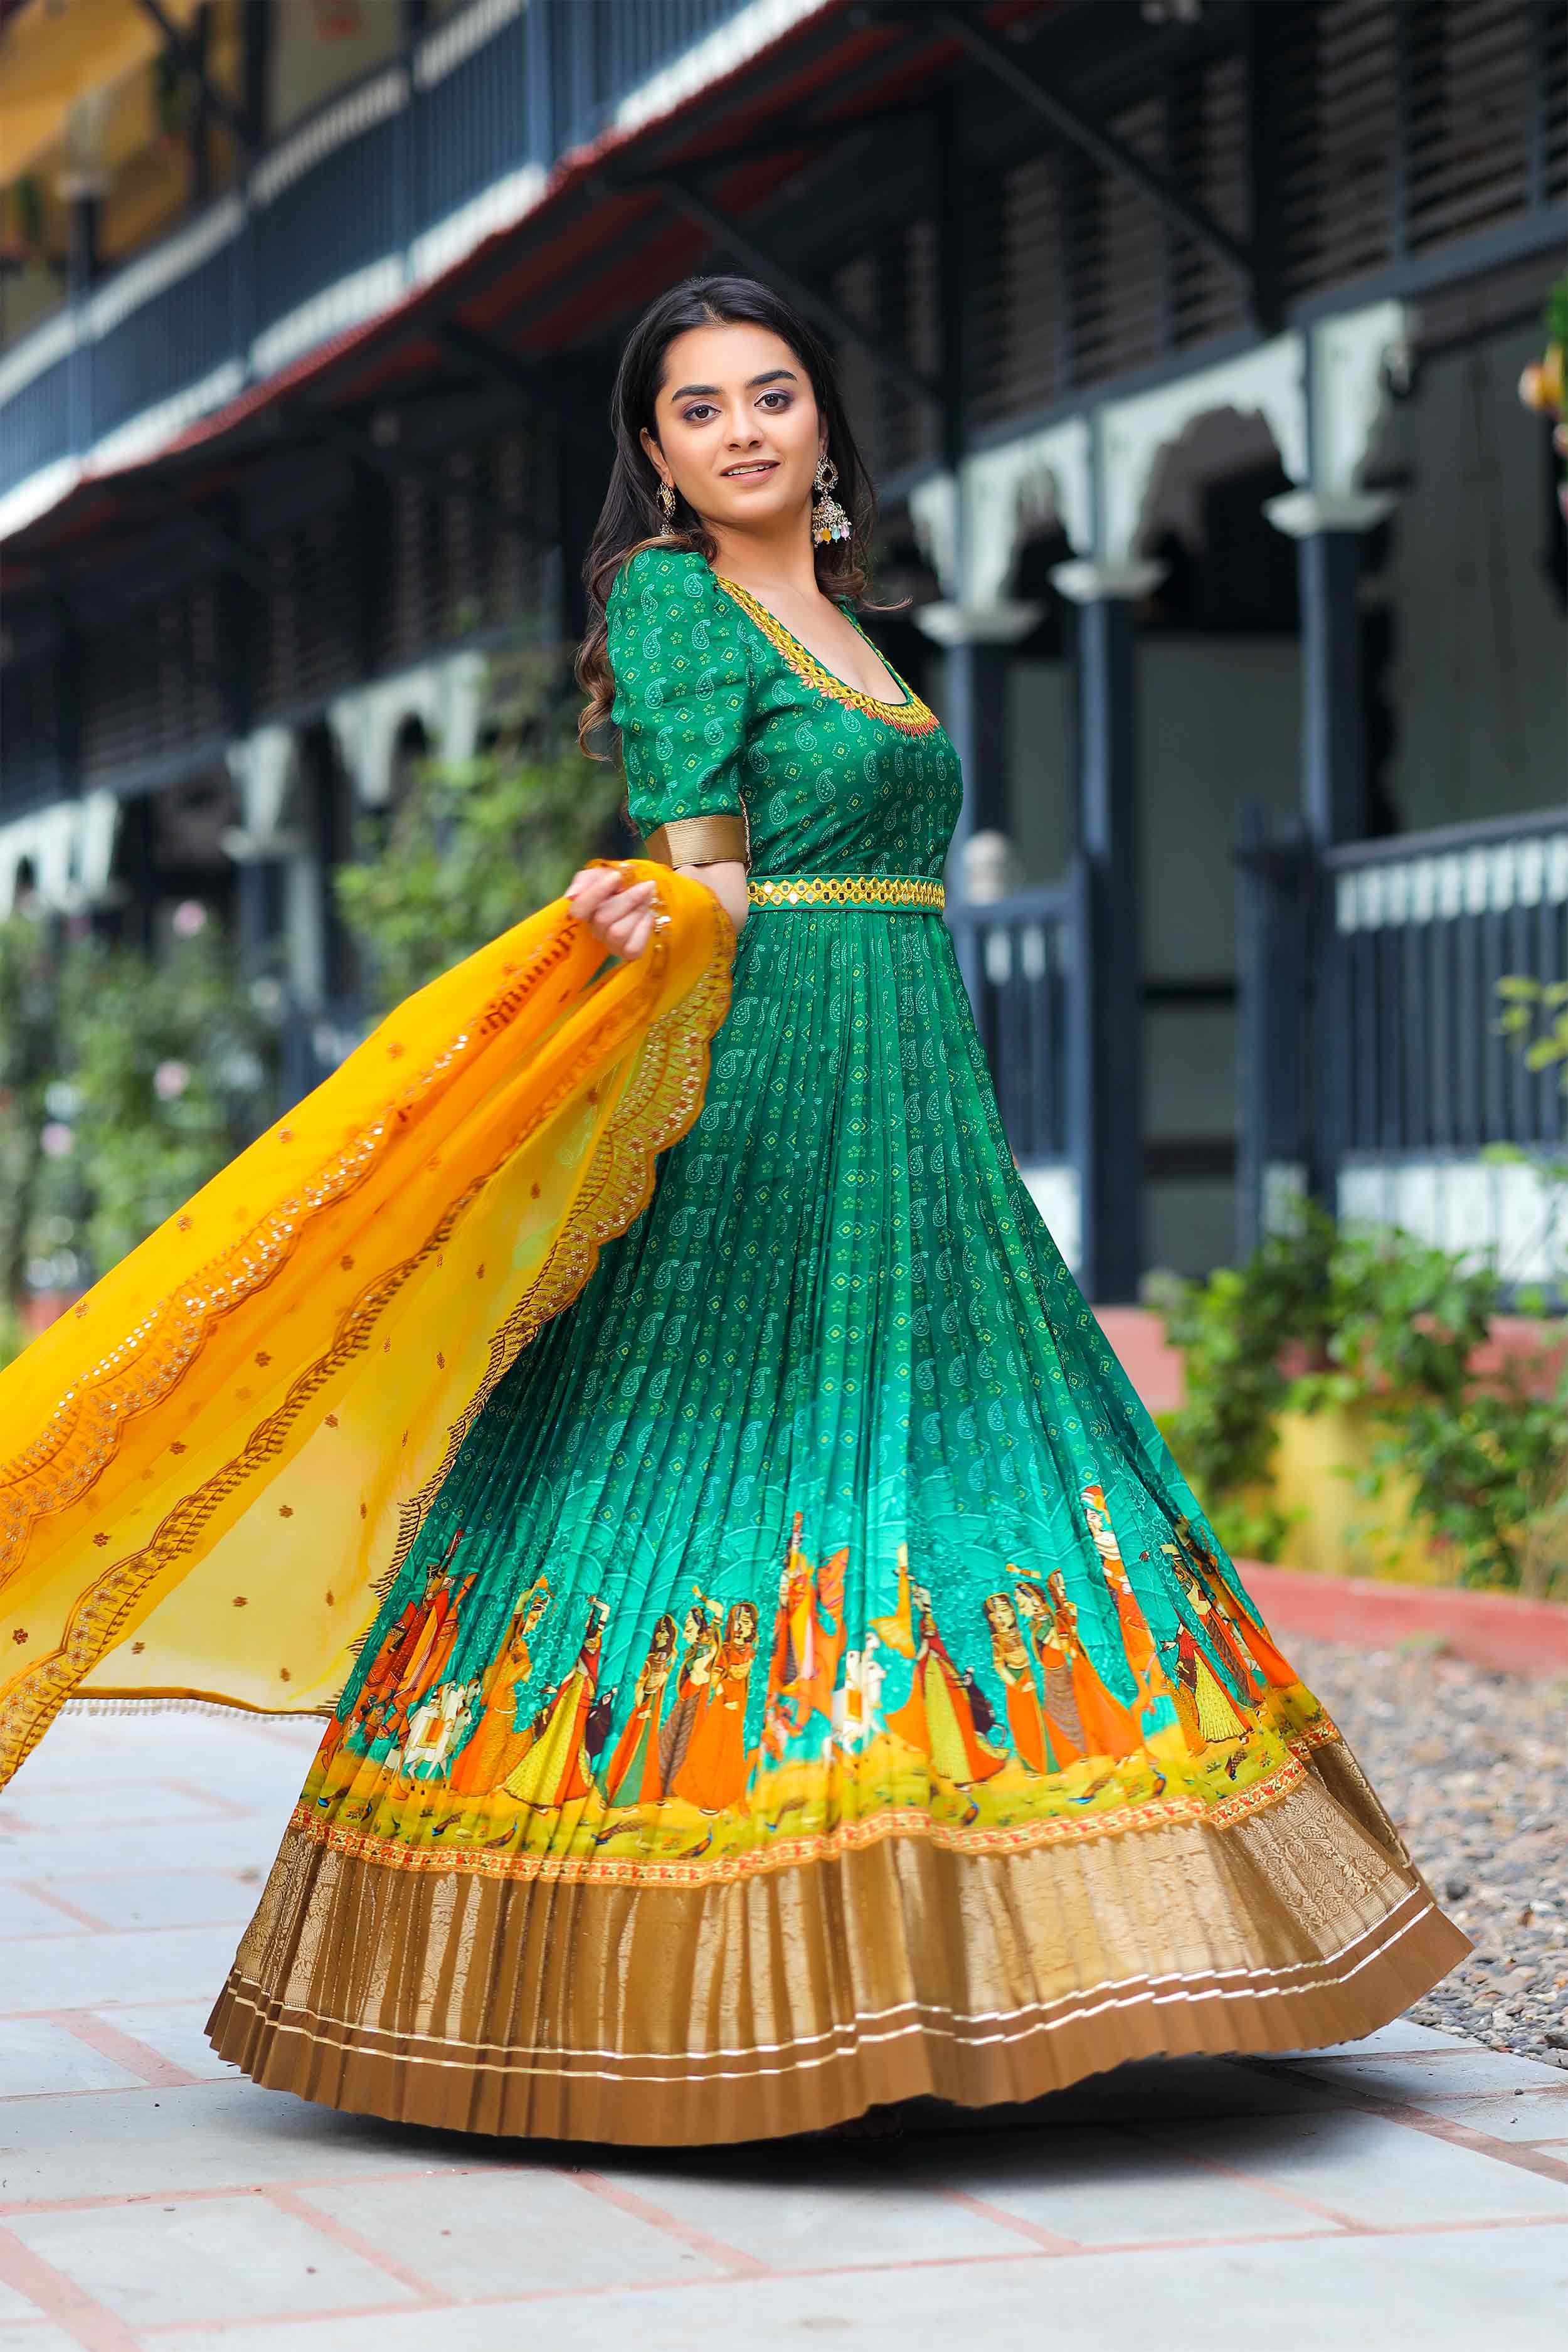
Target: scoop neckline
(746,597)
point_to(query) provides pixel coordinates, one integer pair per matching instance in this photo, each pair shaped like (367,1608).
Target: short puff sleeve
(681,703)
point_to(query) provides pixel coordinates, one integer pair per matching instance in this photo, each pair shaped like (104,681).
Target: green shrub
(1388,1325)
(474,846)
(163,1071)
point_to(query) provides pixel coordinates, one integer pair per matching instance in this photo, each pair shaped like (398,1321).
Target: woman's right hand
(621,916)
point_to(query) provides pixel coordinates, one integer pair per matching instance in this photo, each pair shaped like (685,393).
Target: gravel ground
(1474,1767)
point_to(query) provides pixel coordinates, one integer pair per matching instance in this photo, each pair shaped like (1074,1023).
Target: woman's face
(736,426)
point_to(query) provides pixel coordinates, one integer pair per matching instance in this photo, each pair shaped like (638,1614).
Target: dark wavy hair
(630,517)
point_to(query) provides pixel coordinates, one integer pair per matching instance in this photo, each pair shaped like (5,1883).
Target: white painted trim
(141,435)
(359,296)
(359,111)
(1102,583)
(54,340)
(1304,514)
(501,205)
(71,846)
(37,493)
(1353,351)
(446,695)
(718,53)
(1001,624)
(139,281)
(1269,380)
(1501,1213)
(1016,485)
(1527,871)
(933,512)
(447,48)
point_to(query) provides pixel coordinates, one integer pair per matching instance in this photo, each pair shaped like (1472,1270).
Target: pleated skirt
(814,1684)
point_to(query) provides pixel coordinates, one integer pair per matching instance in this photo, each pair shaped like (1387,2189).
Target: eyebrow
(770,376)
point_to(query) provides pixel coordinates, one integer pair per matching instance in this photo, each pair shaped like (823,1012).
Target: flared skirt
(814,1682)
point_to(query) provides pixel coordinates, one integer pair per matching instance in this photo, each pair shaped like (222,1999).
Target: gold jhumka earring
(828,520)
(666,502)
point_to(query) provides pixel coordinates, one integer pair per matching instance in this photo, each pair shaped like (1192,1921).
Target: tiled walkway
(1411,2191)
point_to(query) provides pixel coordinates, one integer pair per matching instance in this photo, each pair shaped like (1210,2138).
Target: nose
(743,433)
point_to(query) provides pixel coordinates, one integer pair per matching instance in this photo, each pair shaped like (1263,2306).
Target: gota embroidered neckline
(911,716)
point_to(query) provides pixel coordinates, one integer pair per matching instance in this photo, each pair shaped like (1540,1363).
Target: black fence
(1021,960)
(343,211)
(1372,1015)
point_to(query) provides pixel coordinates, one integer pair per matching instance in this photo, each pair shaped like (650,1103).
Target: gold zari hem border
(794,2001)
(891,891)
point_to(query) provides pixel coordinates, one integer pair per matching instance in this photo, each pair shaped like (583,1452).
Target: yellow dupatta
(212,1465)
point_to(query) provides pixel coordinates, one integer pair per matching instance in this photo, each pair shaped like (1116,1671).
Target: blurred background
(1209,357)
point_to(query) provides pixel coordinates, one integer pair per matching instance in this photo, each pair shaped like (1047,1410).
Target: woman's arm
(621,916)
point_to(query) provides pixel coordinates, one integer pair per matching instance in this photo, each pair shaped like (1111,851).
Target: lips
(749,473)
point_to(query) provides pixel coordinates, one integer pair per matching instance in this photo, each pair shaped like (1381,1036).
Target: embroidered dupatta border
(620,1176)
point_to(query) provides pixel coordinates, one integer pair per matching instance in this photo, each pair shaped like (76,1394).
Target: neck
(775,561)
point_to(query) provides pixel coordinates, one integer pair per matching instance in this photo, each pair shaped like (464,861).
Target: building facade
(1182,336)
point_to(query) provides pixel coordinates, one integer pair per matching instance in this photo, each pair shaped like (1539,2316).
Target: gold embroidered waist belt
(913,892)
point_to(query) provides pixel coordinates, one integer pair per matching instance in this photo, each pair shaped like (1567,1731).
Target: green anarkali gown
(814,1683)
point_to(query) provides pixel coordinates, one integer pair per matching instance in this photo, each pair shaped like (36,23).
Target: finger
(630,946)
(591,887)
(631,932)
(625,903)
(619,933)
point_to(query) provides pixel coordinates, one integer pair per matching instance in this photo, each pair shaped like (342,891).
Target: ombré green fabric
(825,1511)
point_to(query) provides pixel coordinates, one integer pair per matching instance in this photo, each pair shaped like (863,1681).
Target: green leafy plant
(1386,1325)
(1543,386)
(1235,1333)
(27,1062)
(162,1070)
(474,846)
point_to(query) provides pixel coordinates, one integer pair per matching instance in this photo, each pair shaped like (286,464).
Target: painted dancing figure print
(793,1618)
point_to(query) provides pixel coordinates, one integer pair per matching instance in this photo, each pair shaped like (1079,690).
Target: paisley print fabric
(824,1516)
(837,1378)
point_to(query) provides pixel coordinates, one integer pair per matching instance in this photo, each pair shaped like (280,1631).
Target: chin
(748,508)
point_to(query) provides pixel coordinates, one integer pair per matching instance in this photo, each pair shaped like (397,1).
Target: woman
(713,1772)
(1010,1659)
(1064,1725)
(938,1720)
(693,1689)
(634,1777)
(556,1768)
(1154,1705)
(497,1741)
(837,1333)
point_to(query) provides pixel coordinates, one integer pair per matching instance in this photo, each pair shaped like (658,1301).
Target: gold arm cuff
(699,841)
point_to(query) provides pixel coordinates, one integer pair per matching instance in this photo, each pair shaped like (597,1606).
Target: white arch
(446,695)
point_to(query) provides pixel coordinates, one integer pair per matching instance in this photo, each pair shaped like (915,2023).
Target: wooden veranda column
(1107,1073)
(1329,530)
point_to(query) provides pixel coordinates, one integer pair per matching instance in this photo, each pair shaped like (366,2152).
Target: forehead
(725,355)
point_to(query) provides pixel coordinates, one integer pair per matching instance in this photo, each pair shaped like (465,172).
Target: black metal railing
(1423,929)
(343,211)
(1371,1009)
(1019,957)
